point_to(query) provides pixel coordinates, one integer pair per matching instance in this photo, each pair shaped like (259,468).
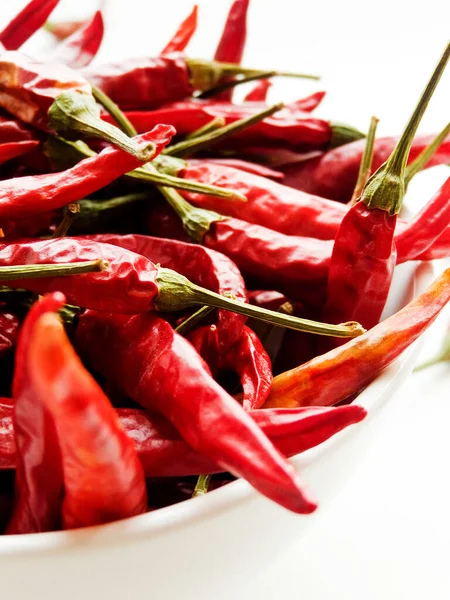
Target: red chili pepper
(11,150)
(364,252)
(39,477)
(28,21)
(14,131)
(309,103)
(183,34)
(9,330)
(202,266)
(80,48)
(164,453)
(161,371)
(103,478)
(24,196)
(334,174)
(346,370)
(252,363)
(206,341)
(290,127)
(232,42)
(259,92)
(243,165)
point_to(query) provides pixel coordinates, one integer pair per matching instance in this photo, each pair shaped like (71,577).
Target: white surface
(387,535)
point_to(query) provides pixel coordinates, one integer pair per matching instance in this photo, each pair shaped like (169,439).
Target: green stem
(58,148)
(202,485)
(76,113)
(176,293)
(189,147)
(230,84)
(214,124)
(71,212)
(112,109)
(386,188)
(59,270)
(365,167)
(420,162)
(194,319)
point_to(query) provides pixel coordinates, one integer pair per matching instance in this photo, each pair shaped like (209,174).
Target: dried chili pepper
(334,174)
(134,284)
(39,477)
(145,83)
(79,49)
(163,452)
(10,150)
(203,267)
(103,478)
(183,34)
(231,45)
(28,21)
(346,370)
(244,165)
(259,92)
(52,96)
(24,196)
(364,252)
(161,371)
(290,128)
(252,363)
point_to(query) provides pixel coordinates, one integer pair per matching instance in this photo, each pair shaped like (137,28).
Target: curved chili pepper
(24,196)
(346,370)
(183,34)
(231,45)
(202,266)
(9,330)
(334,174)
(39,477)
(103,478)
(364,252)
(163,452)
(161,371)
(252,363)
(11,150)
(289,128)
(80,48)
(28,21)
(243,165)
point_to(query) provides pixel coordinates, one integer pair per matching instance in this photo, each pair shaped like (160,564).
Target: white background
(388,534)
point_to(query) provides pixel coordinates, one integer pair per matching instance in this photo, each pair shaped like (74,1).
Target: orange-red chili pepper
(184,33)
(346,370)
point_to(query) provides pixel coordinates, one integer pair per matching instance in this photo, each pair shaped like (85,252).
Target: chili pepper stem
(366,161)
(111,107)
(70,214)
(176,292)
(341,134)
(188,147)
(386,188)
(194,319)
(417,165)
(51,270)
(202,485)
(228,85)
(76,112)
(214,124)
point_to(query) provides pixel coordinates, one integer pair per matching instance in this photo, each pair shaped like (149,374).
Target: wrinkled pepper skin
(332,377)
(200,265)
(161,371)
(164,453)
(39,476)
(103,478)
(334,174)
(143,83)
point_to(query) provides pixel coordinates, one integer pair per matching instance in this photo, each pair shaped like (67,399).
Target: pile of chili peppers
(191,288)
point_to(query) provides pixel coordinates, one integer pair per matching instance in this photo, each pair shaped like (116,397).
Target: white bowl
(211,545)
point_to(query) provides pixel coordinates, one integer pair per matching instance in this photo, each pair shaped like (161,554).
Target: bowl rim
(226,498)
